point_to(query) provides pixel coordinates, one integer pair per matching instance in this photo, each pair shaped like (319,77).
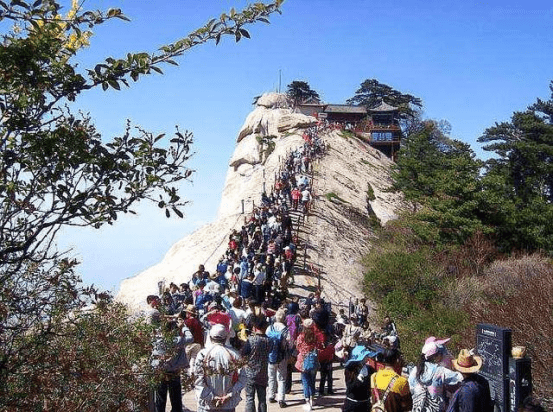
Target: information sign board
(493,344)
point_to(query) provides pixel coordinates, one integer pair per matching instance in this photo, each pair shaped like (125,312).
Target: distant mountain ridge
(336,234)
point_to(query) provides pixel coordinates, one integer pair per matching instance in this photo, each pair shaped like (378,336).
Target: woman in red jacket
(308,345)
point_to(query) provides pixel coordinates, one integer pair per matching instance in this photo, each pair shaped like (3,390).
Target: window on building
(382,136)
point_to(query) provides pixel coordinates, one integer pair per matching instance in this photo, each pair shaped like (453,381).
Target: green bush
(333,197)
(370,193)
(438,321)
(412,287)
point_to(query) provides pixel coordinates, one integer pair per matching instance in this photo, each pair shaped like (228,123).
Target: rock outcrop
(337,233)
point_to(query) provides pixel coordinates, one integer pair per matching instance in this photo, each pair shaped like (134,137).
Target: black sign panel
(520,381)
(493,344)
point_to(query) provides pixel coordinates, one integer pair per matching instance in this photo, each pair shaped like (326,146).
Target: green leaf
(20,3)
(35,25)
(114,84)
(167,213)
(245,33)
(180,214)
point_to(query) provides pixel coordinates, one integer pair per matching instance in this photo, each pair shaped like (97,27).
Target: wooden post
(304,255)
(319,277)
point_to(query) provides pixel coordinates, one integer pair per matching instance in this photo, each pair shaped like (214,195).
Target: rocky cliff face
(333,238)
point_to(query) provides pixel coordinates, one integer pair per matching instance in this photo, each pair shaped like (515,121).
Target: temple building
(378,126)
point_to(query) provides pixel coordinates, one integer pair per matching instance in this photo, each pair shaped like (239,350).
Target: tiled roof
(383,107)
(345,109)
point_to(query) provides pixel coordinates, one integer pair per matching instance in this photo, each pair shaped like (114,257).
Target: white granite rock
(338,241)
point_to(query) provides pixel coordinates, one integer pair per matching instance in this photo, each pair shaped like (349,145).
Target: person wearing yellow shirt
(389,387)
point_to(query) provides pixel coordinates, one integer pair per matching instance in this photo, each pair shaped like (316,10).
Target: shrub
(333,197)
(520,297)
(370,193)
(93,360)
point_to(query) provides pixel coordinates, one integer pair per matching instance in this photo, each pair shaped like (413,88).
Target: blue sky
(472,63)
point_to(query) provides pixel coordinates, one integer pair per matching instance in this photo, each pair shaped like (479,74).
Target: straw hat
(467,362)
(190,309)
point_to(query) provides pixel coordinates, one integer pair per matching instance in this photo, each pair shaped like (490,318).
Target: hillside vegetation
(475,244)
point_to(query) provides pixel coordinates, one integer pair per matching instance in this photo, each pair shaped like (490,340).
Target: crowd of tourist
(237,329)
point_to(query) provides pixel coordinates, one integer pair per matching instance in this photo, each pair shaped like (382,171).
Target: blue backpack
(202,299)
(311,361)
(276,344)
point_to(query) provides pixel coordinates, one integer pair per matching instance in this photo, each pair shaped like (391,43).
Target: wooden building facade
(378,126)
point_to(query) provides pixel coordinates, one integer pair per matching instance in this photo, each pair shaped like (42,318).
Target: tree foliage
(519,179)
(57,170)
(371,93)
(299,92)
(440,176)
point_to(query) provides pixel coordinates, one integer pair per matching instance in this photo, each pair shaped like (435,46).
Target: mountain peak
(334,236)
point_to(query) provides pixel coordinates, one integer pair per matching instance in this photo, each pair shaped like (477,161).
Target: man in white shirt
(219,378)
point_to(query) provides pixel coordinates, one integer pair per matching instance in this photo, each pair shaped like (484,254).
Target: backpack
(311,361)
(276,344)
(202,299)
(380,404)
(292,326)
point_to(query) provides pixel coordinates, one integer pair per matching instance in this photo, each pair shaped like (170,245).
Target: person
(197,276)
(278,358)
(357,376)
(389,327)
(362,312)
(430,379)
(351,334)
(192,348)
(293,321)
(258,282)
(219,378)
(389,387)
(169,305)
(169,358)
(256,352)
(305,198)
(474,393)
(246,289)
(153,316)
(296,194)
(216,315)
(212,286)
(194,324)
(237,316)
(307,363)
(176,295)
